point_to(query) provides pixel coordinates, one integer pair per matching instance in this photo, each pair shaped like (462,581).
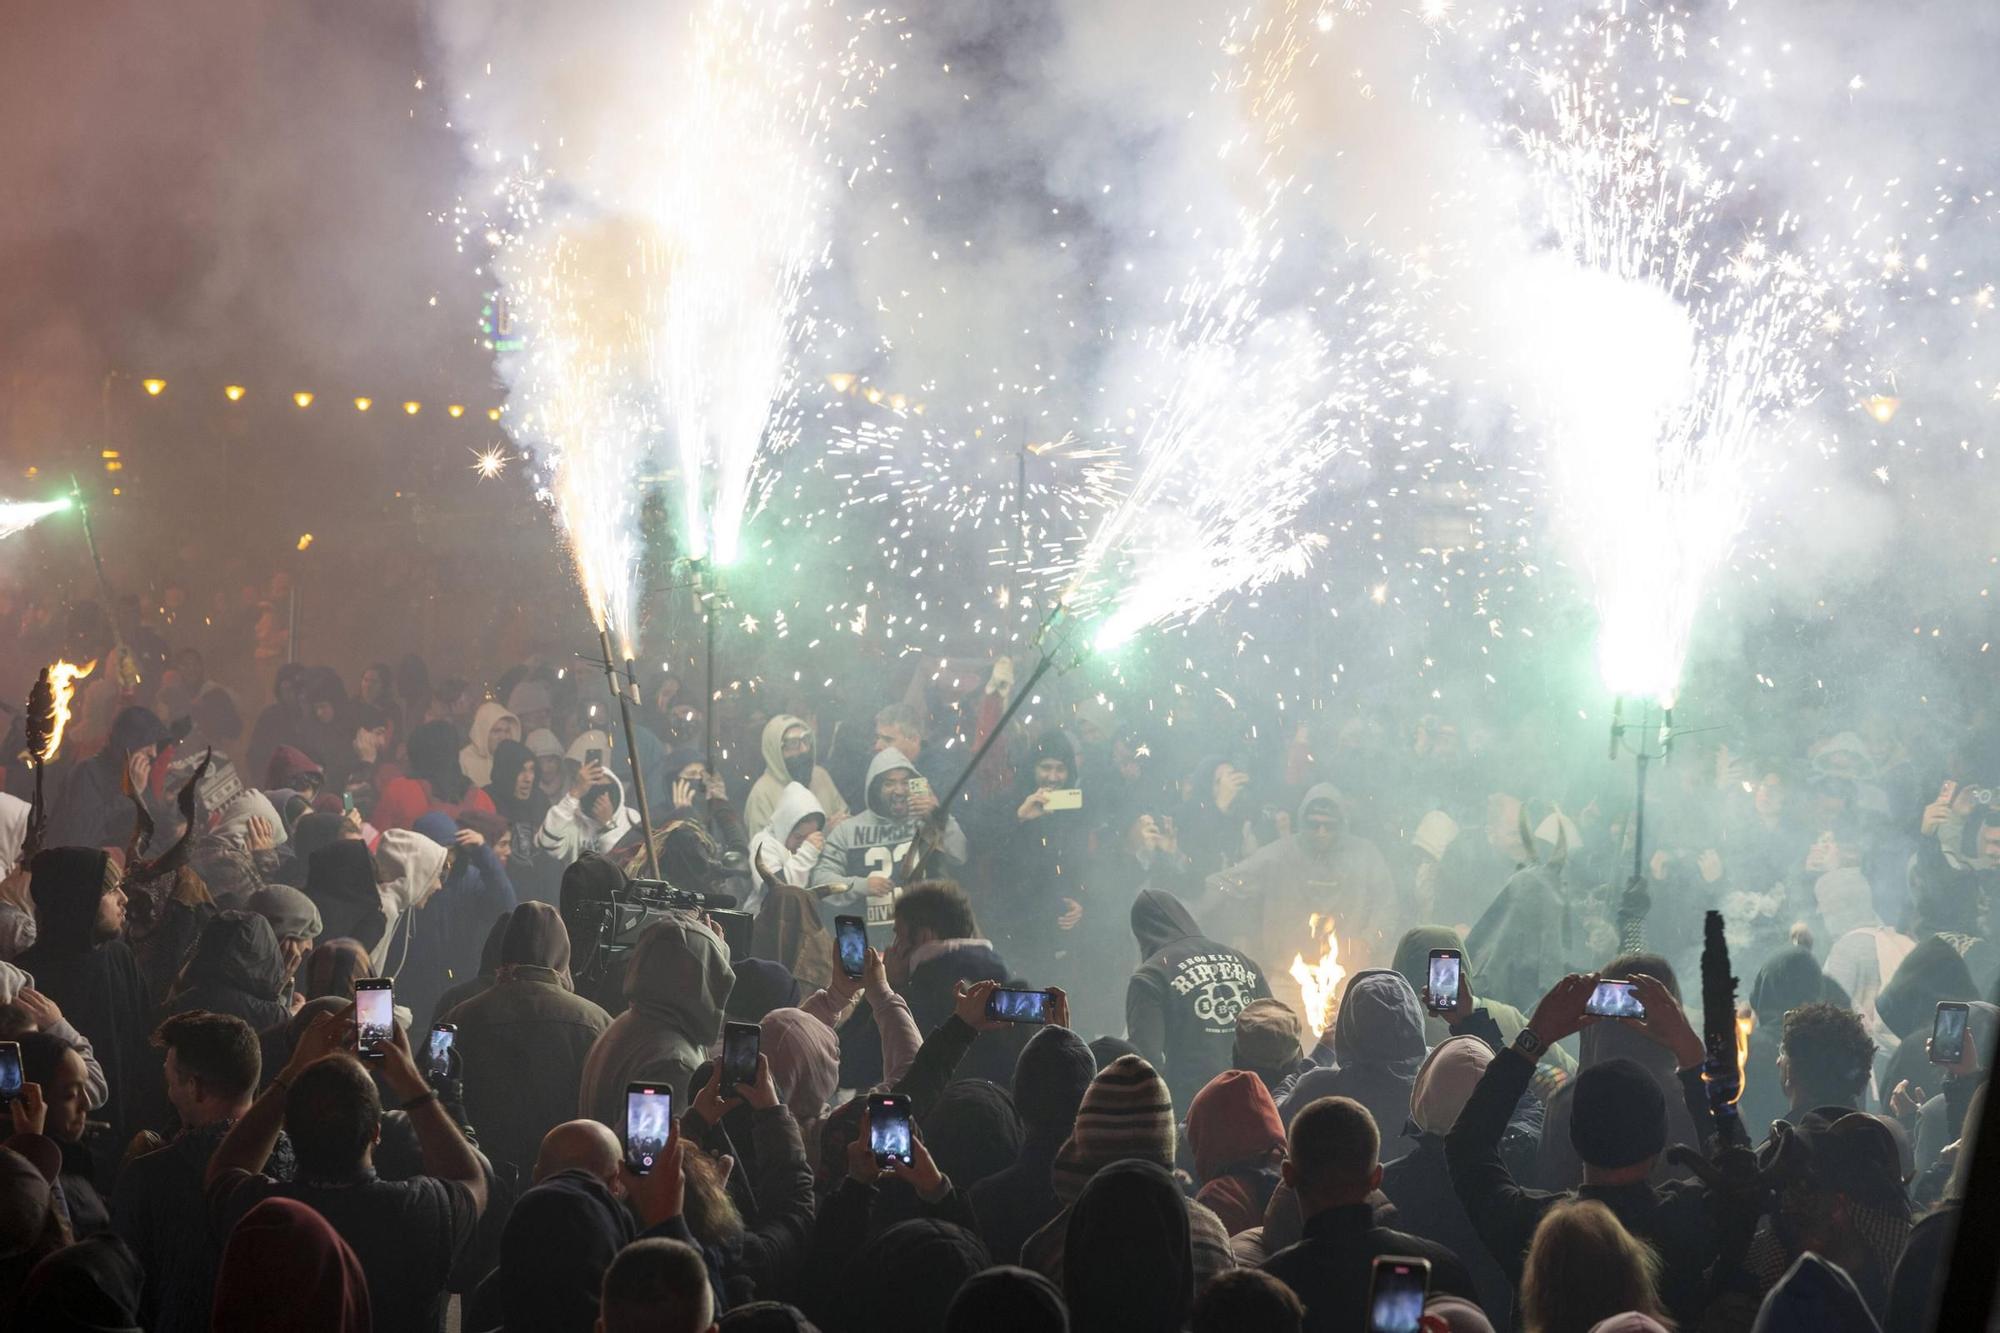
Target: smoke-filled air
(1014,619)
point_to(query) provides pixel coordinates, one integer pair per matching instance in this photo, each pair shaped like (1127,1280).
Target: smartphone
(347,802)
(1064,798)
(1615,999)
(739,1054)
(374,1015)
(593,756)
(851,934)
(442,1036)
(1397,1290)
(10,1071)
(919,785)
(889,1129)
(1018,1006)
(1442,990)
(649,1123)
(1948,1032)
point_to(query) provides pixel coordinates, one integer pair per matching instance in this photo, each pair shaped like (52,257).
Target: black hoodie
(340,879)
(1181,1005)
(234,968)
(1907,1004)
(95,982)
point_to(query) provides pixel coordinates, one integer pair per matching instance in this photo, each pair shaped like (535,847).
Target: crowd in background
(197,1141)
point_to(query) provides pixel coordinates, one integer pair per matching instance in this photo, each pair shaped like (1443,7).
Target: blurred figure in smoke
(1214,821)
(281,723)
(1040,856)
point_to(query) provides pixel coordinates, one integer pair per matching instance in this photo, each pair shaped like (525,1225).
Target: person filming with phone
(405,1232)
(1618,1126)
(1039,859)
(897,839)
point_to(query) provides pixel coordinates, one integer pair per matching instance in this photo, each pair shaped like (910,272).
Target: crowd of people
(208,1133)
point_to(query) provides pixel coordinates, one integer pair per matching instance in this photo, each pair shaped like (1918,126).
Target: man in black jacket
(1332,1163)
(1181,1004)
(1050,1079)
(159,1207)
(1619,1129)
(936,946)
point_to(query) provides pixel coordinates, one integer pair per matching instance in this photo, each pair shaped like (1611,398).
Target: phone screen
(649,1120)
(852,935)
(1948,1034)
(374,1015)
(1445,964)
(739,1054)
(1396,1295)
(593,756)
(1064,798)
(1615,999)
(889,1129)
(1018,1006)
(442,1036)
(10,1070)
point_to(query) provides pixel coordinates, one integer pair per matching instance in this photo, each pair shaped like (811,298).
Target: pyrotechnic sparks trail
(1680,357)
(1240,429)
(657,278)
(19,515)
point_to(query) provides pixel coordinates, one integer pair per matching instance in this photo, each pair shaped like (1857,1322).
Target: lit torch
(1725,1035)
(1319,981)
(47,718)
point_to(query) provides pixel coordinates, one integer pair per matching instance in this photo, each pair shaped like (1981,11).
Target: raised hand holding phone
(1939,810)
(1666,1022)
(713,1101)
(760,1091)
(327,1034)
(29,1112)
(1560,1014)
(921,1172)
(969,1004)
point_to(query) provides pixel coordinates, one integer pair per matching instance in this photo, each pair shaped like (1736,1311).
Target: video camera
(606,911)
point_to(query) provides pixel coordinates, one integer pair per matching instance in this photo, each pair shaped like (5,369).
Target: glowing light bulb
(363,404)
(456,410)
(413,407)
(153,387)
(233,392)
(303,398)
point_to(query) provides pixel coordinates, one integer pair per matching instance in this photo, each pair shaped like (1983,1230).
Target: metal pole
(631,744)
(708,679)
(1639,819)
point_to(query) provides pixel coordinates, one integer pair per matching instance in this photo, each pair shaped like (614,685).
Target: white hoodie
(567,832)
(767,849)
(419,865)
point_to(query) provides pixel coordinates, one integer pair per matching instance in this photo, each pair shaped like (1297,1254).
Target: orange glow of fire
(1319,981)
(63,677)
(1746,1023)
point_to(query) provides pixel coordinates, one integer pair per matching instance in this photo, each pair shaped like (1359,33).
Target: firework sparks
(489,462)
(20,515)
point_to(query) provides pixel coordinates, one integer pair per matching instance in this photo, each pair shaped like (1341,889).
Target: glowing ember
(1320,981)
(63,677)
(1746,1023)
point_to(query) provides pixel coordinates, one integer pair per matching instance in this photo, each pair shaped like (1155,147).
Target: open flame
(63,677)
(1746,1023)
(1320,980)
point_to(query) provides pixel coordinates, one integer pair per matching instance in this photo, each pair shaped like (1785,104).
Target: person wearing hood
(340,881)
(28,1010)
(559,1239)
(1413,961)
(293,770)
(1181,1003)
(238,854)
(789,758)
(235,969)
(491,725)
(1131,1220)
(1214,823)
(1238,1143)
(212,1068)
(89,1287)
(1419,1183)
(286,1270)
(1050,1078)
(92,809)
(525,1042)
(592,816)
(1006,1299)
(296,923)
(1618,1130)
(434,781)
(1522,944)
(861,868)
(521,803)
(1378,1045)
(312,832)
(1126,1114)
(1319,868)
(82,962)
(788,845)
(1332,1162)
(446,934)
(17,924)
(1557,1165)
(532,701)
(1040,857)
(409,870)
(676,989)
(1907,1005)
(973,1131)
(1815,1296)
(1788,979)
(551,776)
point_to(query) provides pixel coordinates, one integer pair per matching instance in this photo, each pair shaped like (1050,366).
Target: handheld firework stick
(42,729)
(626,692)
(1722,1036)
(928,837)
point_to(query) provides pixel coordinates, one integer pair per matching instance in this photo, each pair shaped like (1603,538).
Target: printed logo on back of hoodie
(1221,984)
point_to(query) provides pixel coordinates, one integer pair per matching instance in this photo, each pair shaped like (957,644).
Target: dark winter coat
(235,968)
(931,992)
(1181,1005)
(1329,1269)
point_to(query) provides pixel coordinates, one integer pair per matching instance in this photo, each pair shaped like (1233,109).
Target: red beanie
(1232,1120)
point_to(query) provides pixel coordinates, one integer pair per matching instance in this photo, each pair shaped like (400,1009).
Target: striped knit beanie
(1127,1112)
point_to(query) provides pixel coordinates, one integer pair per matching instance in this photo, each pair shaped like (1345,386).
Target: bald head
(578,1145)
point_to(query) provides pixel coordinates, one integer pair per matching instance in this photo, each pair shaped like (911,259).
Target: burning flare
(1746,1023)
(61,679)
(1320,981)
